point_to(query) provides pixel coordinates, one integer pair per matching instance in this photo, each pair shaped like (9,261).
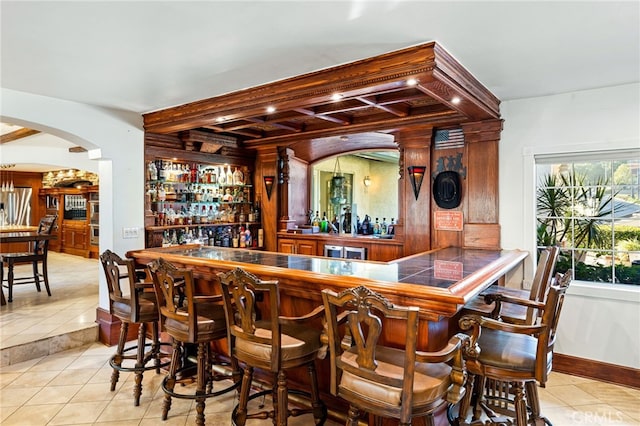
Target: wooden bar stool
(190,319)
(131,304)
(274,344)
(391,382)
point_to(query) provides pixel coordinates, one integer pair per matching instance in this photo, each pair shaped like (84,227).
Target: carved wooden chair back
(363,368)
(174,288)
(117,270)
(241,292)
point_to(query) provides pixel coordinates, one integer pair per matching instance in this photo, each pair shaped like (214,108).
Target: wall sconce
(268,185)
(367,181)
(416,173)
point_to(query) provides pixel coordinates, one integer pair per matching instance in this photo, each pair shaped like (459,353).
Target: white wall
(598,322)
(116,143)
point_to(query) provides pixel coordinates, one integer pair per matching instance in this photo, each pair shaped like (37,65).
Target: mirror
(369,181)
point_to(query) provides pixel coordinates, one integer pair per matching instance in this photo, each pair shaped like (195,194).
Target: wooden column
(267,165)
(481,209)
(414,223)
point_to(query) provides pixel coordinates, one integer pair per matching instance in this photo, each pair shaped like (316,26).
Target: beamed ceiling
(421,85)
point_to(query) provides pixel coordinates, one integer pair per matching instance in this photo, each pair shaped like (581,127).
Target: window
(590,207)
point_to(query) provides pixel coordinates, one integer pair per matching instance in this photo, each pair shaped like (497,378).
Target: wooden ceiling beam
(338,118)
(17,134)
(396,110)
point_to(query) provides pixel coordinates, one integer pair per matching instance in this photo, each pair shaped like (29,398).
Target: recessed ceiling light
(455,100)
(271,109)
(336,97)
(220,119)
(412,82)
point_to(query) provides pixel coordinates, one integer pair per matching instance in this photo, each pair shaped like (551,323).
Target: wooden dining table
(9,238)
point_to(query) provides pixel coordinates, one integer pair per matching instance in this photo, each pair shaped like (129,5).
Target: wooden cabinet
(381,250)
(75,239)
(385,252)
(72,231)
(296,246)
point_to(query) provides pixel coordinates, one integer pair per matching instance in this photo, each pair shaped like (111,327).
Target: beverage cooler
(345,252)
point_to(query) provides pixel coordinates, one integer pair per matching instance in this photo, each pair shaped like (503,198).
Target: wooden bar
(439,282)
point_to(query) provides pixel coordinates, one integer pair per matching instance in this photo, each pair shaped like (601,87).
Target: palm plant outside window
(591,209)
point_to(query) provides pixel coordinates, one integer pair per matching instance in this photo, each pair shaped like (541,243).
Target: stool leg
(137,387)
(521,407)
(170,381)
(201,383)
(117,358)
(241,414)
(466,399)
(354,414)
(319,412)
(155,347)
(283,403)
(531,393)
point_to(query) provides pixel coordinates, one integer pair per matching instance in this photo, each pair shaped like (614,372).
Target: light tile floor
(71,387)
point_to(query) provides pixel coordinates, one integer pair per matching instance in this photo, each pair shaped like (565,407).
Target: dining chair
(263,338)
(517,356)
(37,257)
(401,382)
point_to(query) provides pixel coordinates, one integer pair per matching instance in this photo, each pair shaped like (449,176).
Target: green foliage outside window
(577,209)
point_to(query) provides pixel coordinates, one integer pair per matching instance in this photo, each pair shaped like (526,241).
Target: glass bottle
(238,177)
(229,176)
(315,224)
(222,177)
(324,225)
(383,226)
(152,173)
(376,227)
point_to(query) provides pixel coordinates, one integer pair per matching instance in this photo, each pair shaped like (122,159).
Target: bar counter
(439,282)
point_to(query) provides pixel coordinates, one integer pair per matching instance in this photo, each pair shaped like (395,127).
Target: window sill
(623,292)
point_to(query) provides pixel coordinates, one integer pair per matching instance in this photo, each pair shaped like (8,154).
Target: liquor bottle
(229,176)
(222,176)
(315,224)
(257,211)
(238,177)
(162,172)
(152,173)
(383,226)
(376,227)
(324,225)
(391,227)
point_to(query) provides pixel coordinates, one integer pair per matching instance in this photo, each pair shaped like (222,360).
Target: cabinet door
(80,239)
(306,247)
(385,252)
(287,246)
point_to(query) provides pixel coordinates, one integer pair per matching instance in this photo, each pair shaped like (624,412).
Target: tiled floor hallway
(66,382)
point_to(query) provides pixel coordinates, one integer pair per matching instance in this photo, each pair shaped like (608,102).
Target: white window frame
(529,155)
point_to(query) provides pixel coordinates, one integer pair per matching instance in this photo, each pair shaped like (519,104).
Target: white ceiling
(146,55)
